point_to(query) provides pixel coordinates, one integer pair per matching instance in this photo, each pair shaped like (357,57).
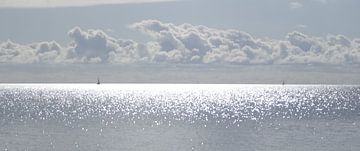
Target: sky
(187,41)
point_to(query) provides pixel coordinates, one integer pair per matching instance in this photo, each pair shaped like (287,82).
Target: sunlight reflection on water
(219,103)
(184,116)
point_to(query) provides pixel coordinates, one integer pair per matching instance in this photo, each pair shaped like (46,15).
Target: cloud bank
(186,44)
(66,3)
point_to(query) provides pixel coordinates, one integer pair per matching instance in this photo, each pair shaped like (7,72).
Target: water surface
(179,117)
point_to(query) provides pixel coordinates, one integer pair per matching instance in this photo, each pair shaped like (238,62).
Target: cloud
(66,3)
(199,44)
(90,45)
(295,5)
(95,46)
(42,52)
(186,44)
(195,44)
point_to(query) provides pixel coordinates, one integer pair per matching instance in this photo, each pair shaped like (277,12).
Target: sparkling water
(179,117)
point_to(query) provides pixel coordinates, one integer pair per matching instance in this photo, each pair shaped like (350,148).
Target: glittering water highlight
(184,116)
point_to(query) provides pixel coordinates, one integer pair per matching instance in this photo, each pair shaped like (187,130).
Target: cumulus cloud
(66,3)
(87,46)
(186,44)
(95,46)
(42,52)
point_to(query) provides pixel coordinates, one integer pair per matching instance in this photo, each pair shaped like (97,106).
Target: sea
(179,117)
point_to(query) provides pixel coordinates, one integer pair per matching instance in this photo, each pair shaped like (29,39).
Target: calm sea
(179,117)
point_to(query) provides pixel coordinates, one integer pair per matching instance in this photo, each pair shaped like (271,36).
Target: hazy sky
(313,34)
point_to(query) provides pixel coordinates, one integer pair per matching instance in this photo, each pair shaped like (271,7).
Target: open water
(179,117)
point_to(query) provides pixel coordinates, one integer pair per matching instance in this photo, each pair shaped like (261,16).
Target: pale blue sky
(261,18)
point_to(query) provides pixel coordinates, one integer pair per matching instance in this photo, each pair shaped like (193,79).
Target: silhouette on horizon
(98,80)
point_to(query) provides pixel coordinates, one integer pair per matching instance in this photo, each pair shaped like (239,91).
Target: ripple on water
(166,103)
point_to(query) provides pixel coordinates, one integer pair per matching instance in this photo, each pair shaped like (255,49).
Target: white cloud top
(66,3)
(185,44)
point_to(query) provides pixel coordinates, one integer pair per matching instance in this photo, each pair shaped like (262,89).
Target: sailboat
(98,81)
(283,82)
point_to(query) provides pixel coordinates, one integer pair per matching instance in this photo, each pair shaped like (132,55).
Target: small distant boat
(98,81)
(283,82)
